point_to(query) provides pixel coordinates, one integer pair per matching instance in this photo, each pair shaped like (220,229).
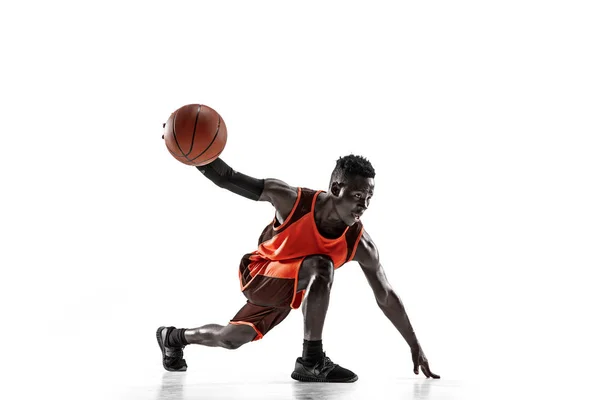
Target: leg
(315,276)
(172,341)
(250,323)
(213,335)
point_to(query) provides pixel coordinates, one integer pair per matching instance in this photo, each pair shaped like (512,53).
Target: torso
(303,232)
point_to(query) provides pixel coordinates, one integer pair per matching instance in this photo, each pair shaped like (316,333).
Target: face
(353,198)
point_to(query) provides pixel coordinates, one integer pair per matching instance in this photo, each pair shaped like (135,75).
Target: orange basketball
(195,134)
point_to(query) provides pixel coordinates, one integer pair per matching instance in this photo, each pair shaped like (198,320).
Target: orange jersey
(269,275)
(298,235)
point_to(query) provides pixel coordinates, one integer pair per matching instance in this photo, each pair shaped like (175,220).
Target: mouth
(357,215)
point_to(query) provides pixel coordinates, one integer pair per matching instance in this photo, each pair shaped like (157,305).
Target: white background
(480,118)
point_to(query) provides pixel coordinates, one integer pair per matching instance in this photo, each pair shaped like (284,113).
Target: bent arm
(387,300)
(281,195)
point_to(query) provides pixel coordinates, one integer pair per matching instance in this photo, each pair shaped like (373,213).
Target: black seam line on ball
(212,141)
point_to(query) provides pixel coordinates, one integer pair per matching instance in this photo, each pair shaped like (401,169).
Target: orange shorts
(271,290)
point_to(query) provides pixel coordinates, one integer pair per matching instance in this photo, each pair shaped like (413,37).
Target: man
(313,233)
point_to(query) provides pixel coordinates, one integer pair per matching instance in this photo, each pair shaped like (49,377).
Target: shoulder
(366,252)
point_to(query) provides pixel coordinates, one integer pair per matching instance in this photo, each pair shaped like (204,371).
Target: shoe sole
(162,349)
(304,378)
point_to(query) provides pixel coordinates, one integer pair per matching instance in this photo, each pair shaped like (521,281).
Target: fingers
(427,372)
(419,360)
(415,358)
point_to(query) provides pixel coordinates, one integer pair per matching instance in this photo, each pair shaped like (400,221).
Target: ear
(336,188)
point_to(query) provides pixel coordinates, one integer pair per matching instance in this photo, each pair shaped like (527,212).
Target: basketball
(195,134)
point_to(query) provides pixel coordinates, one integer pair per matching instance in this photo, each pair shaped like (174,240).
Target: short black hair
(349,166)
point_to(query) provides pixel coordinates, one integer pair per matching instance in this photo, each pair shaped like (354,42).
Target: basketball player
(313,234)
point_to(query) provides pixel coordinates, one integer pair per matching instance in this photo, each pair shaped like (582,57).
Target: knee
(321,267)
(235,336)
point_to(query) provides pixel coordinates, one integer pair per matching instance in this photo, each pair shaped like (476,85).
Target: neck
(326,214)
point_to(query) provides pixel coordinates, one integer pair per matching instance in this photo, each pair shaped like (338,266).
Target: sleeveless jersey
(298,235)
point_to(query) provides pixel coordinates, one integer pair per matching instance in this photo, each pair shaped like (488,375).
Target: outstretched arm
(281,195)
(389,302)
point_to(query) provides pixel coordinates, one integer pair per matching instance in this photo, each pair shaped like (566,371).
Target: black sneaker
(323,371)
(172,356)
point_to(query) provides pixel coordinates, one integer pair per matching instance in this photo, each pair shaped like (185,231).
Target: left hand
(419,360)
